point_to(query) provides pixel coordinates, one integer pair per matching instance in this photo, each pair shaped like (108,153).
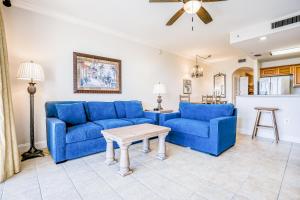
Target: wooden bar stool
(257,121)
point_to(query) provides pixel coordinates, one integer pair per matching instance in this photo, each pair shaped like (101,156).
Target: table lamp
(32,72)
(159,89)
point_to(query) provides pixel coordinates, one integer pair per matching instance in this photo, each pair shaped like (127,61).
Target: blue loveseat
(74,127)
(206,128)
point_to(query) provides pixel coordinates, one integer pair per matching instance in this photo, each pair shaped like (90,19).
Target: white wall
(51,42)
(287,116)
(227,67)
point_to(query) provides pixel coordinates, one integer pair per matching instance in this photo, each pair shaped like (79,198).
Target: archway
(242,82)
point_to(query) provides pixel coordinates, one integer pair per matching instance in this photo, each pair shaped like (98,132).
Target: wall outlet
(286,121)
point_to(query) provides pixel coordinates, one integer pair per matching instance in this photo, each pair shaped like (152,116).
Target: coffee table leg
(146,145)
(162,146)
(124,160)
(110,152)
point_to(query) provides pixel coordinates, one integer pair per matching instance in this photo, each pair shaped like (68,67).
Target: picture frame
(187,86)
(96,74)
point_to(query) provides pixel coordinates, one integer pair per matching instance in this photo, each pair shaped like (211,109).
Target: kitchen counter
(288,115)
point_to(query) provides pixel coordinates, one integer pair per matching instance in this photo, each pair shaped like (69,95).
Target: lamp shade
(159,89)
(30,71)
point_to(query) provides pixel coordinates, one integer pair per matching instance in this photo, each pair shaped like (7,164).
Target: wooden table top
(266,109)
(134,132)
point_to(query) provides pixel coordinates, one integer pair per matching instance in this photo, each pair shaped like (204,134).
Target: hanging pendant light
(197,70)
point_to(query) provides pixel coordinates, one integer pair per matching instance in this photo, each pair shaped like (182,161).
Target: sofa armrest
(152,115)
(223,132)
(56,139)
(167,116)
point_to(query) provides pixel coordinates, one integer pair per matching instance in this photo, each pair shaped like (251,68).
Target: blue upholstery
(71,113)
(205,112)
(189,126)
(120,109)
(101,110)
(206,128)
(50,107)
(56,138)
(112,123)
(83,132)
(134,109)
(67,142)
(140,120)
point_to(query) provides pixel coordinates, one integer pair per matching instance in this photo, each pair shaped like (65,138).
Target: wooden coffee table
(124,136)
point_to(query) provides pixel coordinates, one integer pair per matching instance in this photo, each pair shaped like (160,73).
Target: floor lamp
(33,73)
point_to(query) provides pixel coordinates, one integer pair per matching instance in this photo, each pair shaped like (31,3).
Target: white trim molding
(24,147)
(77,21)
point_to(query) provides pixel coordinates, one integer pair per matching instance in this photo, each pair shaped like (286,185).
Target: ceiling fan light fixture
(192,6)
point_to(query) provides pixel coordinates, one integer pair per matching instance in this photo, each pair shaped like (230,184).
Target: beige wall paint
(51,42)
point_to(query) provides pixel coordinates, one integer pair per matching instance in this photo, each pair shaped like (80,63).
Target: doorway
(243,82)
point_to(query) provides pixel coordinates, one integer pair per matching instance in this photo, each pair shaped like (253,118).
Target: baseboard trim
(268,136)
(24,147)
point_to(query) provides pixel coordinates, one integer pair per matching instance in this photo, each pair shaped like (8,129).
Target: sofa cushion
(140,120)
(134,109)
(71,113)
(82,132)
(120,109)
(101,110)
(112,123)
(50,107)
(189,126)
(205,112)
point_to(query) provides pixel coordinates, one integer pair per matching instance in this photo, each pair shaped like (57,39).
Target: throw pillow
(71,113)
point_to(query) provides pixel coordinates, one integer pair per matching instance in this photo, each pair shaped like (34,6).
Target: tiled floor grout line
(145,184)
(147,187)
(38,180)
(284,171)
(72,182)
(103,179)
(2,191)
(157,173)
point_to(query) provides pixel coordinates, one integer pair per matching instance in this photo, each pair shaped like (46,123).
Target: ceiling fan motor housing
(7,3)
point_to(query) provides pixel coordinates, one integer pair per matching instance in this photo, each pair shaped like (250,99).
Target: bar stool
(257,121)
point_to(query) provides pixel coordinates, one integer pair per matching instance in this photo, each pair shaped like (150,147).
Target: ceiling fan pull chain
(192,23)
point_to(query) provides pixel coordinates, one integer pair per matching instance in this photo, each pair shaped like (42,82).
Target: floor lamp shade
(33,73)
(30,71)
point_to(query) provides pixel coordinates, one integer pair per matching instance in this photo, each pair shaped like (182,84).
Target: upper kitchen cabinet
(276,71)
(296,70)
(285,70)
(272,71)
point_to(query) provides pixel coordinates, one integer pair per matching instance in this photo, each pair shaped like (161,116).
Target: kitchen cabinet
(285,70)
(272,71)
(296,76)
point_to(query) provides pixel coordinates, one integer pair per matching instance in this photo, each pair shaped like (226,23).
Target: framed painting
(187,87)
(96,74)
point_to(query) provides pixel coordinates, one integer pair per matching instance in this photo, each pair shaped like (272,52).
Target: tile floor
(256,169)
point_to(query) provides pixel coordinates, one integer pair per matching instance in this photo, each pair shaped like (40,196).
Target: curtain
(9,155)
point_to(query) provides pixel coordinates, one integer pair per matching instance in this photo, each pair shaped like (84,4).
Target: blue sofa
(74,127)
(206,128)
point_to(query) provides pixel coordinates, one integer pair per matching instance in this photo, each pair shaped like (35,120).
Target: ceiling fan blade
(212,0)
(164,1)
(175,17)
(204,15)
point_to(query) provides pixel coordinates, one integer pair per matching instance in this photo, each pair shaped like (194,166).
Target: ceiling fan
(190,7)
